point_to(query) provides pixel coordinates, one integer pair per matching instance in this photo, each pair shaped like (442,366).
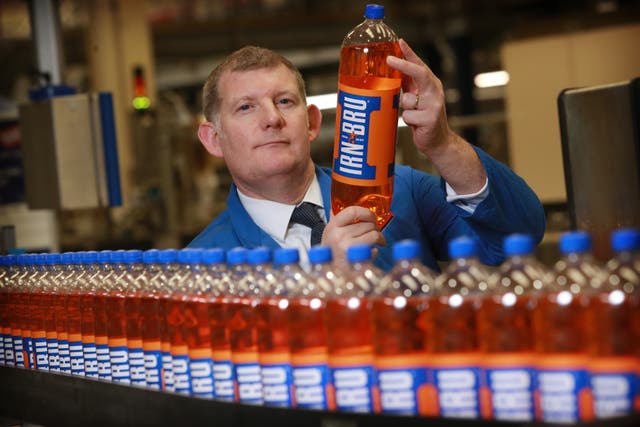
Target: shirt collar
(273,217)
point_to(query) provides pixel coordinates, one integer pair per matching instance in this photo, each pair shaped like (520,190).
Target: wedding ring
(415,107)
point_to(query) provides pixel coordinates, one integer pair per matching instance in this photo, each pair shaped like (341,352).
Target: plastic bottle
(74,314)
(167,258)
(216,277)
(11,304)
(400,334)
(6,266)
(62,312)
(39,303)
(611,339)
(117,320)
(505,328)
(52,266)
(242,326)
(366,118)
(453,345)
(84,281)
(350,334)
(100,285)
(150,319)
(133,269)
(272,325)
(307,333)
(563,391)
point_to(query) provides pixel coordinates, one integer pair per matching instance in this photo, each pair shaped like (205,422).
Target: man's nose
(272,116)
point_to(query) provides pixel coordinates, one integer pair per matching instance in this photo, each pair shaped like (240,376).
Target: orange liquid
(74,313)
(365,67)
(116,318)
(219,333)
(609,327)
(560,328)
(87,314)
(196,324)
(100,313)
(241,321)
(272,328)
(504,328)
(307,332)
(400,331)
(132,310)
(150,320)
(348,327)
(175,321)
(452,329)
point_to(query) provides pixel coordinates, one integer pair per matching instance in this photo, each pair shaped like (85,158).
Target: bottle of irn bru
(611,339)
(453,343)
(400,334)
(366,118)
(505,329)
(308,335)
(563,392)
(350,334)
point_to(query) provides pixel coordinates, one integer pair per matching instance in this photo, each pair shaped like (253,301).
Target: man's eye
(285,101)
(244,107)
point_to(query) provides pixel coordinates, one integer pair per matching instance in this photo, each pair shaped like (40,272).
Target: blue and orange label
(180,368)
(104,360)
(311,381)
(456,378)
(119,360)
(168,384)
(136,362)
(52,351)
(201,370)
(153,364)
(76,354)
(614,384)
(277,379)
(223,376)
(63,353)
(563,391)
(404,384)
(355,381)
(507,387)
(90,355)
(248,378)
(364,146)
(8,348)
(39,339)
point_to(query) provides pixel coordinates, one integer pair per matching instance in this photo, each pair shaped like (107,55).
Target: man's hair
(246,59)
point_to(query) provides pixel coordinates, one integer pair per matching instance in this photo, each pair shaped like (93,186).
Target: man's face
(262,127)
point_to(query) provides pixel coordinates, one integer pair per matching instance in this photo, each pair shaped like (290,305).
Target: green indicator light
(141,102)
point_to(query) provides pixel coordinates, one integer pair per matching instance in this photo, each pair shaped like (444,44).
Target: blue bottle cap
(406,249)
(190,256)
(213,256)
(286,256)
(104,257)
(66,257)
(150,256)
(90,257)
(575,241)
(117,257)
(76,257)
(167,256)
(320,254)
(54,259)
(374,11)
(259,255)
(237,256)
(462,247)
(518,244)
(361,252)
(625,239)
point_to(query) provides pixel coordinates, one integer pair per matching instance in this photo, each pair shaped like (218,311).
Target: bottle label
(508,384)
(40,350)
(65,356)
(119,359)
(53,352)
(76,354)
(2,348)
(18,351)
(89,352)
(613,385)
(456,379)
(224,379)
(311,382)
(248,378)
(168,383)
(277,379)
(364,150)
(136,362)
(563,388)
(201,369)
(104,361)
(180,367)
(152,364)
(355,382)
(404,385)
(9,359)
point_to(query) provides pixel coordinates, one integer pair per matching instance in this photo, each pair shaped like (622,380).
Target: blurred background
(153,57)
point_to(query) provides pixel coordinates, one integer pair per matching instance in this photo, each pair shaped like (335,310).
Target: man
(259,123)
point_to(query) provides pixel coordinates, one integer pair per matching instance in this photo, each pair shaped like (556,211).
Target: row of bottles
(519,343)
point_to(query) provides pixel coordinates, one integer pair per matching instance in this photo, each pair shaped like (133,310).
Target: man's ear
(209,137)
(315,120)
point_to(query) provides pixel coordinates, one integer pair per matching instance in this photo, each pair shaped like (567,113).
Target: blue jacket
(420,212)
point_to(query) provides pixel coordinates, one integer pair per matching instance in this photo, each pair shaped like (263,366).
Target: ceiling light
(492,79)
